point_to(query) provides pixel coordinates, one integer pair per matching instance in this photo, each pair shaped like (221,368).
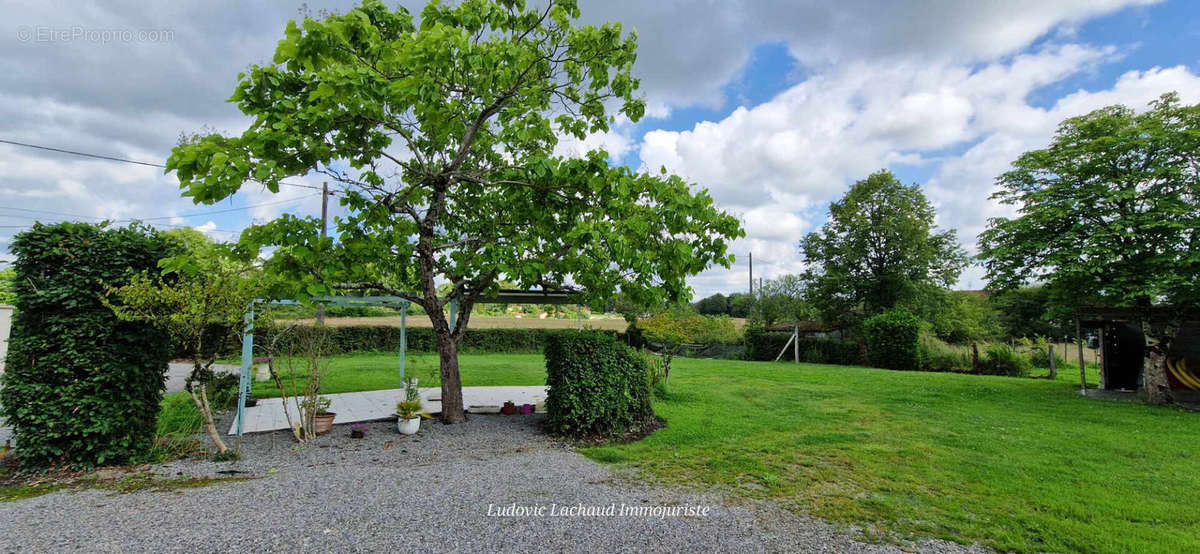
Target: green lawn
(1016,464)
(1021,464)
(375,371)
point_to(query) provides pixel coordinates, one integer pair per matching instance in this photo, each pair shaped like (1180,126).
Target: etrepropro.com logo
(79,33)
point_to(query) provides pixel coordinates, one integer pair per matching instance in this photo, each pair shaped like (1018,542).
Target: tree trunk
(452,401)
(201,402)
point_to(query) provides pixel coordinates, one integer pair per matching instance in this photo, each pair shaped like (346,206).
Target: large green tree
(1108,212)
(879,248)
(781,299)
(439,131)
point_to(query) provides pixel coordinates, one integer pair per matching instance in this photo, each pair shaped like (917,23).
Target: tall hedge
(360,338)
(81,387)
(596,385)
(765,346)
(893,340)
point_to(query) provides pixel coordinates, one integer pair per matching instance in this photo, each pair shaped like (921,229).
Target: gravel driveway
(429,492)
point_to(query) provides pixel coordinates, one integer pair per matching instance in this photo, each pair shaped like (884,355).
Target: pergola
(504,296)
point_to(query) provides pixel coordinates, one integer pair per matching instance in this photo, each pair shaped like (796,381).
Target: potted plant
(408,411)
(358,430)
(322,417)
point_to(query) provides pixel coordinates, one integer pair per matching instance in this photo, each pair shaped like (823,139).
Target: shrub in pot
(408,414)
(322,417)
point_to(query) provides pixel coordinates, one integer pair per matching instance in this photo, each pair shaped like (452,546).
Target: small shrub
(223,391)
(656,375)
(596,386)
(893,340)
(1002,359)
(1039,353)
(681,326)
(937,355)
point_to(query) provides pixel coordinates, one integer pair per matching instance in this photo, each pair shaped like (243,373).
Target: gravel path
(429,492)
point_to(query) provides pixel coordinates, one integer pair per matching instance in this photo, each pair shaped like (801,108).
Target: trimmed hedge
(893,340)
(765,346)
(360,338)
(81,388)
(596,385)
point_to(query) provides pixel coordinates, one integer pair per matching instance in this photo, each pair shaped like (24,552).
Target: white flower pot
(408,426)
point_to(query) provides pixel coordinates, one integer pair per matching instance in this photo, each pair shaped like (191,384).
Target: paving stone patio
(375,405)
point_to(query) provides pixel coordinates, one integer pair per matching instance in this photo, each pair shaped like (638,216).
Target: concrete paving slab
(374,405)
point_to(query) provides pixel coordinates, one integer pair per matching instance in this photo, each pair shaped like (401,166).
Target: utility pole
(324,231)
(752,275)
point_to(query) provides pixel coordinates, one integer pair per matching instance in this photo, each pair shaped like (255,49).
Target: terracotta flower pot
(323,423)
(508,408)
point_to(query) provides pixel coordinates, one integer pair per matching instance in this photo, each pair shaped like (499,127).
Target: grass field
(1015,464)
(376,371)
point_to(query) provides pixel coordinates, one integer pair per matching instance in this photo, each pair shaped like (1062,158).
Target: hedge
(893,340)
(765,346)
(360,338)
(81,387)
(596,385)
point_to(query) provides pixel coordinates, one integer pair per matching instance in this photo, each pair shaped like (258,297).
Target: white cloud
(615,141)
(886,83)
(206,228)
(801,149)
(964,182)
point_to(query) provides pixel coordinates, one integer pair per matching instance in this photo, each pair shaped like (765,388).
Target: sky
(775,107)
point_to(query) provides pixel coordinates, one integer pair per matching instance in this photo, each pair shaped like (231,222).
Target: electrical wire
(123,160)
(193,214)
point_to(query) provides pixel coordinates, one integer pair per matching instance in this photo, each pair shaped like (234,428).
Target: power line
(199,214)
(123,160)
(194,214)
(75,153)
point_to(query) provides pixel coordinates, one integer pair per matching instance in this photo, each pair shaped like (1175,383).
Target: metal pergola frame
(245,381)
(502,297)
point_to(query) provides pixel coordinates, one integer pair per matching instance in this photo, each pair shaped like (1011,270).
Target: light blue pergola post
(403,339)
(247,359)
(453,313)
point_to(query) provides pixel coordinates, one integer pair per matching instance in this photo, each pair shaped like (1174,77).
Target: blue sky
(774,106)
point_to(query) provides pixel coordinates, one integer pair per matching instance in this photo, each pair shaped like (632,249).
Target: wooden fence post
(1053,368)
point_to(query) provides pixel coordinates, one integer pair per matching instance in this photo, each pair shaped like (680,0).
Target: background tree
(1028,312)
(678,327)
(960,317)
(716,304)
(740,304)
(199,298)
(781,299)
(1108,212)
(879,246)
(440,135)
